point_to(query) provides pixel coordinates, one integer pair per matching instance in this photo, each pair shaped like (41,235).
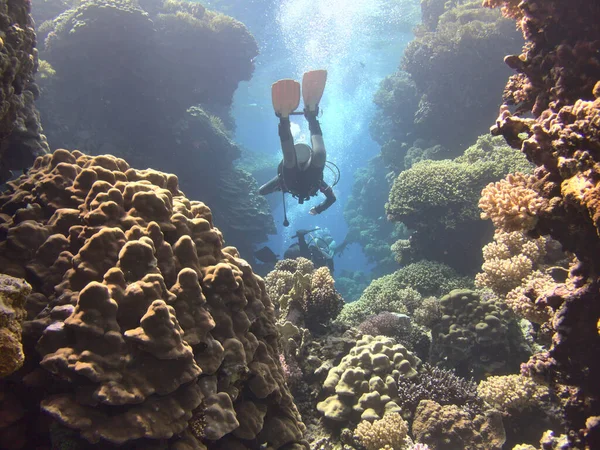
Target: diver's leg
(270,186)
(319,156)
(287,143)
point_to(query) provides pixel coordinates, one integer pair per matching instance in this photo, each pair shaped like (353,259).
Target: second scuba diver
(301,171)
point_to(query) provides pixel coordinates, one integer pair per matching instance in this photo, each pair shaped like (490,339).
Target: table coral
(147,311)
(438,200)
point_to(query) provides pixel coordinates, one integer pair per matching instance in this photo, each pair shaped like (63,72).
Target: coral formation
(364,384)
(303,295)
(388,432)
(438,200)
(402,291)
(511,204)
(511,392)
(163,100)
(450,56)
(13,293)
(450,428)
(557,82)
(510,259)
(477,336)
(440,385)
(20,130)
(153,330)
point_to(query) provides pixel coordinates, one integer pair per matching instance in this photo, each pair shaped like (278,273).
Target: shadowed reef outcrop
(143,330)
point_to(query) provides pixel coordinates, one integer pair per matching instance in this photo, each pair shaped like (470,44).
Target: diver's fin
(313,85)
(286,96)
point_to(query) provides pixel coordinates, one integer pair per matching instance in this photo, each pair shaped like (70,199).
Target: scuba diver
(318,249)
(301,171)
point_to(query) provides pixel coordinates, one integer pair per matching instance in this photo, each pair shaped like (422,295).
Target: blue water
(359,43)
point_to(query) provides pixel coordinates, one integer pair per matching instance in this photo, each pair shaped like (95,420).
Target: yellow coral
(512,204)
(511,392)
(388,432)
(521,300)
(509,260)
(503,275)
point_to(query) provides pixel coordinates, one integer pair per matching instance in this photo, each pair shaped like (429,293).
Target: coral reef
(388,432)
(21,135)
(152,329)
(511,392)
(556,81)
(477,336)
(364,384)
(13,293)
(163,100)
(438,201)
(451,55)
(402,291)
(450,428)
(302,295)
(440,385)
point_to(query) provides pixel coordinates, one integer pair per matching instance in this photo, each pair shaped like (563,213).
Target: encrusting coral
(152,330)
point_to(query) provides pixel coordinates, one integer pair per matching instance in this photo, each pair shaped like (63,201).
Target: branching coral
(511,392)
(513,203)
(388,432)
(509,260)
(441,386)
(304,296)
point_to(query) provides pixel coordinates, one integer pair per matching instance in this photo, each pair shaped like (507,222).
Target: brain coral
(152,328)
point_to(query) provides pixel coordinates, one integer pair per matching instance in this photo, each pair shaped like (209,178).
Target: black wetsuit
(302,184)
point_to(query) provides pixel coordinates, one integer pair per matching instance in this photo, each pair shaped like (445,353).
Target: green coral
(403,290)
(444,194)
(383,294)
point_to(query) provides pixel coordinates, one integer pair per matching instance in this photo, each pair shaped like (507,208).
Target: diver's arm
(329,199)
(287,142)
